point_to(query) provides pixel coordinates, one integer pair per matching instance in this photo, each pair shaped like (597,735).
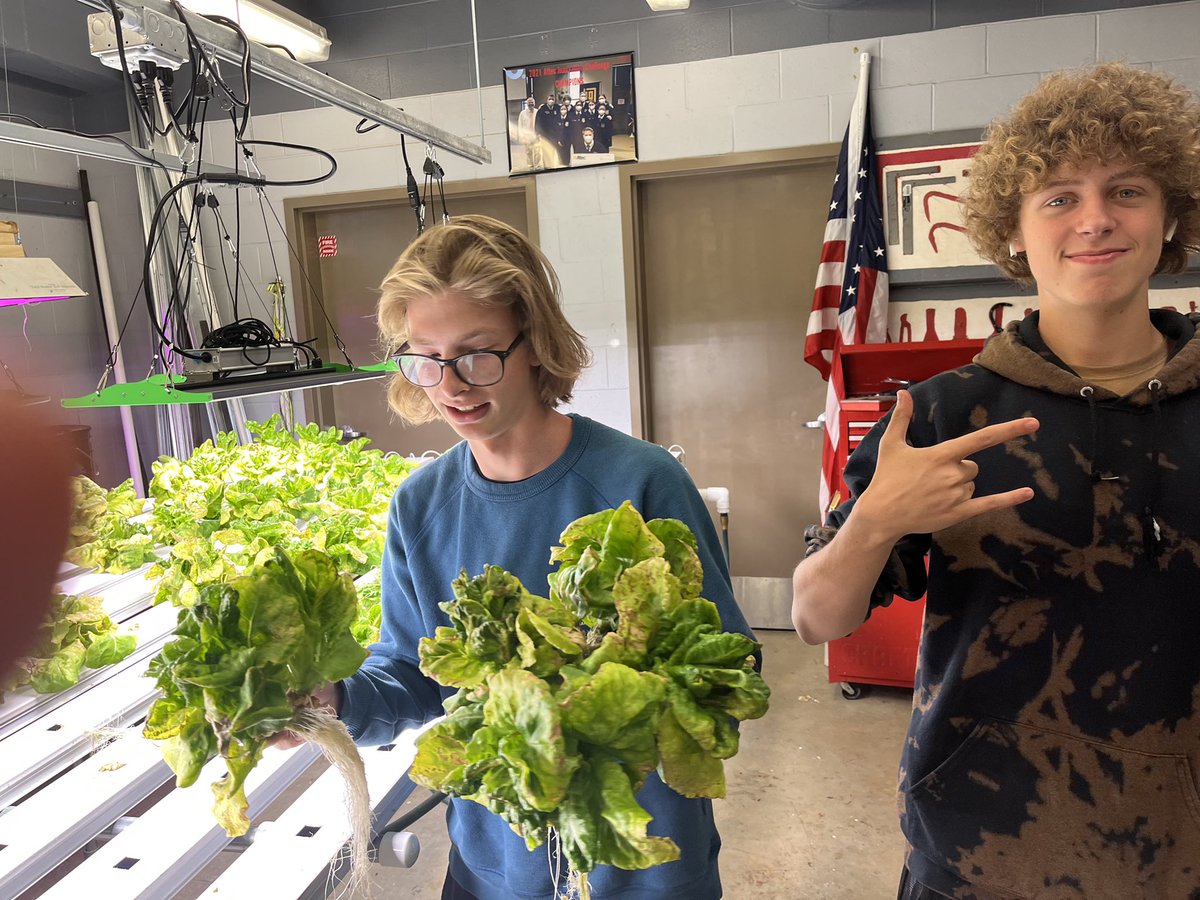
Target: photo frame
(571,114)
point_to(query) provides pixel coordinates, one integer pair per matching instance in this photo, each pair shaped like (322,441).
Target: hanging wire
(312,287)
(435,176)
(8,100)
(414,192)
(478,81)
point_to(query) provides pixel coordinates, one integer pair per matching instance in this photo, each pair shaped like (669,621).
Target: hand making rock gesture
(921,490)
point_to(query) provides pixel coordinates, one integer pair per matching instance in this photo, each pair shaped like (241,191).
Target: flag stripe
(850,297)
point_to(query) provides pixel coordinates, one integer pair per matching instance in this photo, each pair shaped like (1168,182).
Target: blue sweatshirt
(446,517)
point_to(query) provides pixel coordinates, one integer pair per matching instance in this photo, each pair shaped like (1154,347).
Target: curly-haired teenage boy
(1054,746)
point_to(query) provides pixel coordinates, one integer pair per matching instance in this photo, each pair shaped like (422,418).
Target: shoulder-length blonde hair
(1110,112)
(492,264)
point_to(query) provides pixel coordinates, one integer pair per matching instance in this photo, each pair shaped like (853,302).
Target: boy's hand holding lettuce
(566,704)
(246,657)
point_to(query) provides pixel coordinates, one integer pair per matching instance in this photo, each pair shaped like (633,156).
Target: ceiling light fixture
(267,23)
(667,5)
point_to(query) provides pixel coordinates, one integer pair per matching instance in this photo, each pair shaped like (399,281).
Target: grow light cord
(406,820)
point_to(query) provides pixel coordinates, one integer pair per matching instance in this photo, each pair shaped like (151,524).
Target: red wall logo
(327,245)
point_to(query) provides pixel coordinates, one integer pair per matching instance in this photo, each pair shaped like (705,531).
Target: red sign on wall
(327,245)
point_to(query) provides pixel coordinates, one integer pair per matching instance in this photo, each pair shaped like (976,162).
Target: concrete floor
(810,809)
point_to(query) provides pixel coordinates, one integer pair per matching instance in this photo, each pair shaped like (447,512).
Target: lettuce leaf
(243,655)
(566,704)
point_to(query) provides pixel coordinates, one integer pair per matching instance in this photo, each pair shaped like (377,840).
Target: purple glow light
(19,301)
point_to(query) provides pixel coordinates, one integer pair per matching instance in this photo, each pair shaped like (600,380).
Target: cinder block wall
(58,349)
(922,84)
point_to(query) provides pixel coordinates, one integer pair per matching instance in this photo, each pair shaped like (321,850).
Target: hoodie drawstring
(1089,394)
(1151,533)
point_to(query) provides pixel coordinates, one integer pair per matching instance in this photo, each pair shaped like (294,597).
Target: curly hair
(1106,112)
(493,265)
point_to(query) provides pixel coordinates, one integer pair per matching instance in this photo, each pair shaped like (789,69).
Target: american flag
(850,300)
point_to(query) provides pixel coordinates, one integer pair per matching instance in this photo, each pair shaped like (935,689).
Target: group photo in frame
(571,113)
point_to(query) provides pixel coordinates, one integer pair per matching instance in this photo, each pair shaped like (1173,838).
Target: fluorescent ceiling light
(34,279)
(665,5)
(267,22)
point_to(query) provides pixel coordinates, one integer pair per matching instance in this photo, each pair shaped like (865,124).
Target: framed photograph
(573,113)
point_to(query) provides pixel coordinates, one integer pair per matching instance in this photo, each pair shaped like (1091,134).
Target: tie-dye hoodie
(1054,747)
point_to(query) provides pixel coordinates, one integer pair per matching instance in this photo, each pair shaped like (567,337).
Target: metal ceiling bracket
(46,139)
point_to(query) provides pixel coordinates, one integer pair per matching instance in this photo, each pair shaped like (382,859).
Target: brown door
(728,263)
(369,238)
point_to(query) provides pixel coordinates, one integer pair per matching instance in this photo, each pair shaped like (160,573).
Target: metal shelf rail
(75,767)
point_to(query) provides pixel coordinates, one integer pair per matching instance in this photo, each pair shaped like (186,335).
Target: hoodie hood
(1020,355)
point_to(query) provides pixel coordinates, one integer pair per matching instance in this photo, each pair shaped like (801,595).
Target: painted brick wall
(949,79)
(58,349)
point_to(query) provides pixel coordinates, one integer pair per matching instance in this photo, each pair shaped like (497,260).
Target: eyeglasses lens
(478,369)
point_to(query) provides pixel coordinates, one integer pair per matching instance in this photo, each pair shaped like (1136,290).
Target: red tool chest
(884,649)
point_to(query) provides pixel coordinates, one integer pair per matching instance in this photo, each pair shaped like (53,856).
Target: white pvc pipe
(717,495)
(399,849)
(110,321)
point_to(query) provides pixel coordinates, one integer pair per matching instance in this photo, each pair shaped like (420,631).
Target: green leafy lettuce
(76,634)
(104,533)
(566,704)
(229,504)
(246,655)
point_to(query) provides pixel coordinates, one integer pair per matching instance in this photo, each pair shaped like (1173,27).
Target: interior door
(370,237)
(728,262)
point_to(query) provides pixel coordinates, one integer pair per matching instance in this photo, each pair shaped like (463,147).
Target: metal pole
(45,139)
(173,423)
(104,284)
(478,81)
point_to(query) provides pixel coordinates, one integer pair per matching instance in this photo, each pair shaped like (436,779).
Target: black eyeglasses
(479,368)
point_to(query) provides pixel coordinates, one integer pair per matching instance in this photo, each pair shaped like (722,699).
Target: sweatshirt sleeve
(389,693)
(671,494)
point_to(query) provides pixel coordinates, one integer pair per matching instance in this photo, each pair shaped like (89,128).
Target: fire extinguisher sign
(327,245)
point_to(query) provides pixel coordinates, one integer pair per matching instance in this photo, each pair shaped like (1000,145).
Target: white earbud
(1170,232)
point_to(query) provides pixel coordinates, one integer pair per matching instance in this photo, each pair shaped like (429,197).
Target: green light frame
(157,390)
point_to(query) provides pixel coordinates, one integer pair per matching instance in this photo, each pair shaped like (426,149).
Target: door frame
(632,175)
(299,216)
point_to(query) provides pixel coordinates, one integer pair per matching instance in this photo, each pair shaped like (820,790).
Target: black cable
(245,67)
(270,244)
(147,279)
(312,287)
(99,137)
(429,803)
(252,333)
(127,76)
(328,156)
(211,69)
(414,193)
(435,175)
(283,48)
(240,269)
(229,286)
(177,306)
